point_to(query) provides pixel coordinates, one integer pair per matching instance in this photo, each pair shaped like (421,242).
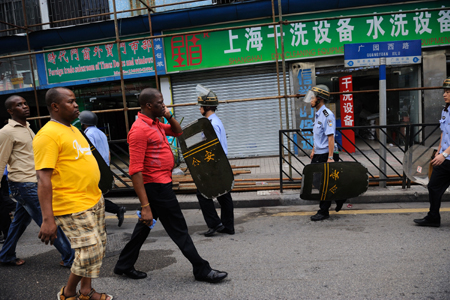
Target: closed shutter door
(252,126)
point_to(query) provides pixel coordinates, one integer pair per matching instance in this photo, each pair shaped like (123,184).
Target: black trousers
(6,206)
(111,207)
(165,207)
(439,182)
(324,206)
(210,214)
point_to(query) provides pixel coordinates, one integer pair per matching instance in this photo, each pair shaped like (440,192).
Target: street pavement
(366,251)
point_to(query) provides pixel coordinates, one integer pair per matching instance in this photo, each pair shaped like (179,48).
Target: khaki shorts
(87,234)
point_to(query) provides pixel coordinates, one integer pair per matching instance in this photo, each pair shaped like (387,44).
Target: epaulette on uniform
(325,113)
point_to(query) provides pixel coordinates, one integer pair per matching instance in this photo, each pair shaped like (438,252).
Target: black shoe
(339,206)
(319,217)
(214,276)
(132,273)
(226,230)
(212,231)
(121,215)
(427,222)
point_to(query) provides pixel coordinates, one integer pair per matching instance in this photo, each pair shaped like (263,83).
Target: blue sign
(396,53)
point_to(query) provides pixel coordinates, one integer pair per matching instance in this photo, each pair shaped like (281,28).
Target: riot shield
(206,160)
(416,163)
(334,181)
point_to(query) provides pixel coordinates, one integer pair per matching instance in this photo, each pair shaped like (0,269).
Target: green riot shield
(206,160)
(333,181)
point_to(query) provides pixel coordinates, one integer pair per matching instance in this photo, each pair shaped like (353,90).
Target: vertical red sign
(347,113)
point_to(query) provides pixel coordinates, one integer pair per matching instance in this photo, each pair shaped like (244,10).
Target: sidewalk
(269,168)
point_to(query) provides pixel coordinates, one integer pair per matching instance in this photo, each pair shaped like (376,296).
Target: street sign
(395,52)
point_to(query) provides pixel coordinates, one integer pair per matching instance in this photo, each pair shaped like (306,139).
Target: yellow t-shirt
(75,174)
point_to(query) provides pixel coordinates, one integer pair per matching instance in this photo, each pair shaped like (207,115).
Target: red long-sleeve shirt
(150,151)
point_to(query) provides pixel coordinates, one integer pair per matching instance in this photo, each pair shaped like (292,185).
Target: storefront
(237,60)
(223,58)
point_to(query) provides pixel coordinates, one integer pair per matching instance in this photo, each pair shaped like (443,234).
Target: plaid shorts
(87,234)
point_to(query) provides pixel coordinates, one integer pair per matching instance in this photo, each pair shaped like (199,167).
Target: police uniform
(440,178)
(226,202)
(324,125)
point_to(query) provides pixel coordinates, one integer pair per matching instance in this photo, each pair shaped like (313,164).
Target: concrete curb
(292,197)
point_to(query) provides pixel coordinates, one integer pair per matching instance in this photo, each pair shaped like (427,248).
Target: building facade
(245,54)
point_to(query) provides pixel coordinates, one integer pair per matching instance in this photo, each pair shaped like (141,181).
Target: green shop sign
(103,61)
(304,39)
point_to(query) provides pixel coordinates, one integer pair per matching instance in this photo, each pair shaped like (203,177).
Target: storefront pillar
(434,73)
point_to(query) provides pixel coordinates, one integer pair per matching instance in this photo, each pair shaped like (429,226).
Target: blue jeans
(25,193)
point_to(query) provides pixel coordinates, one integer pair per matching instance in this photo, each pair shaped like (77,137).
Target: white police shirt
(445,127)
(324,125)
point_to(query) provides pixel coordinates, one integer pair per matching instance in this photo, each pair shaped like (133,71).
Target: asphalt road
(371,251)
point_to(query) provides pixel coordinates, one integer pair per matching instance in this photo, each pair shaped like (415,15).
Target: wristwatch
(444,154)
(330,157)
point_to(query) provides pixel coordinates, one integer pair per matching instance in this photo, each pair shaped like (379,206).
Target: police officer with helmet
(323,135)
(208,102)
(440,177)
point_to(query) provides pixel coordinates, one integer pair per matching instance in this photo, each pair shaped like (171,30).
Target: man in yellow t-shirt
(68,177)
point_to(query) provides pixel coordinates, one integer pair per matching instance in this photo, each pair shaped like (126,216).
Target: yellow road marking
(360,212)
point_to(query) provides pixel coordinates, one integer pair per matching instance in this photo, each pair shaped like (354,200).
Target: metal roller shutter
(252,127)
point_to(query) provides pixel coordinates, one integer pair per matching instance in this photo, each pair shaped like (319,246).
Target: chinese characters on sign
(103,61)
(395,52)
(347,113)
(304,81)
(308,38)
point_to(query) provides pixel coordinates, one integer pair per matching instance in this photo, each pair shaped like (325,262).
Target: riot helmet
(319,91)
(446,84)
(88,118)
(206,97)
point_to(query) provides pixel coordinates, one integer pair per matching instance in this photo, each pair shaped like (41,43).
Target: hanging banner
(347,113)
(305,39)
(103,61)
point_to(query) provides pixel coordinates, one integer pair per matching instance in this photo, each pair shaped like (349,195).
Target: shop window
(402,106)
(15,73)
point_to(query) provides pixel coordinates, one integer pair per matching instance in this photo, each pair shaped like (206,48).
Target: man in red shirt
(151,164)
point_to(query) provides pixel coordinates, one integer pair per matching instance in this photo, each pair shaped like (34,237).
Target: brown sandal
(62,297)
(88,297)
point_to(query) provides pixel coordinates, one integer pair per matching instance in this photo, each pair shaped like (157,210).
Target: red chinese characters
(51,57)
(185,48)
(122,45)
(97,51)
(146,45)
(109,48)
(347,113)
(62,55)
(74,52)
(86,53)
(134,46)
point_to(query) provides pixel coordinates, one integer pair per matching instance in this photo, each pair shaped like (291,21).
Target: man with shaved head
(16,151)
(151,164)
(68,178)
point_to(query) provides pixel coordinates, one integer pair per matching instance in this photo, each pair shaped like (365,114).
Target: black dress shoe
(319,217)
(212,231)
(226,230)
(121,215)
(214,276)
(339,205)
(132,273)
(427,222)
